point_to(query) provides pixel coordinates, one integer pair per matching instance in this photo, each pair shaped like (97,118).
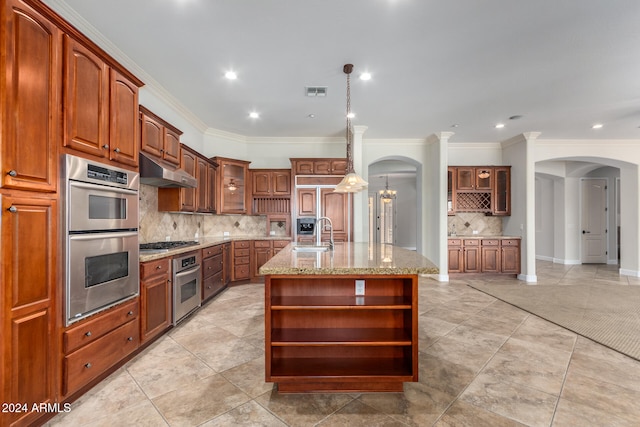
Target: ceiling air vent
(316,90)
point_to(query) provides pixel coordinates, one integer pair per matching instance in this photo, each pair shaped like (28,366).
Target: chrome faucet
(319,233)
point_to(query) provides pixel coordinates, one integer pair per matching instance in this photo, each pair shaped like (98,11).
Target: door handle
(585,232)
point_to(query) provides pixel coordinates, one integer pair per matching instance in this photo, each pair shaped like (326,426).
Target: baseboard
(437,277)
(625,272)
(529,278)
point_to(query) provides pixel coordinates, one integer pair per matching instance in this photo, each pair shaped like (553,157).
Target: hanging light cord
(349,136)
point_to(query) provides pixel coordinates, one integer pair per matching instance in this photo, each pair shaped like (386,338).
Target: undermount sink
(311,248)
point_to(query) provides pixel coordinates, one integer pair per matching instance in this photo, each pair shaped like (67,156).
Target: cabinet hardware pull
(130,313)
(87,365)
(158,267)
(117,150)
(130,339)
(88,333)
(12,209)
(12,172)
(105,146)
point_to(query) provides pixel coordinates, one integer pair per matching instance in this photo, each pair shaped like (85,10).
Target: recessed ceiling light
(455,125)
(254,115)
(311,116)
(231,75)
(365,76)
(499,125)
(597,126)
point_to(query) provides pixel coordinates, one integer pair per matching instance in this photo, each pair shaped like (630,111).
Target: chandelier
(387,195)
(352,182)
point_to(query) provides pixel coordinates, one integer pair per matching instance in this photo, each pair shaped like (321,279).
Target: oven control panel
(107,175)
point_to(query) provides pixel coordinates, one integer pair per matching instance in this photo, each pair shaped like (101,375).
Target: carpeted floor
(609,315)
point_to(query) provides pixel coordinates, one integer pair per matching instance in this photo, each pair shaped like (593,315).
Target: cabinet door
(155,301)
(471,255)
(502,191)
(188,194)
(260,256)
(203,188)
(465,178)
(123,113)
(232,191)
(211,188)
(322,167)
(451,186)
(304,167)
(86,100)
(171,147)
(510,256)
(261,183)
(455,257)
(490,254)
(306,199)
(281,183)
(484,178)
(339,167)
(336,206)
(30,89)
(29,369)
(151,136)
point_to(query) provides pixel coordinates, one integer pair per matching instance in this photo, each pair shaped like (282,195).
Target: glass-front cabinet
(232,192)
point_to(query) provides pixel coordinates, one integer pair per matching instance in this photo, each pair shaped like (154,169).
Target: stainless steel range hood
(153,173)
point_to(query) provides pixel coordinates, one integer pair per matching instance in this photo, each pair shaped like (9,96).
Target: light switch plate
(359,287)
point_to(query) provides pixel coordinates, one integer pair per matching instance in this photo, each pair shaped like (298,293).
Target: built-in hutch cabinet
(484,255)
(485,189)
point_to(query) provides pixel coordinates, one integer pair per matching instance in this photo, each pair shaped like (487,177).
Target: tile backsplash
(156,226)
(464,224)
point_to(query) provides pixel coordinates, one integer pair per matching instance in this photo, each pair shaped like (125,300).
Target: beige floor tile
(464,414)
(249,377)
(302,409)
(355,414)
(248,414)
(142,414)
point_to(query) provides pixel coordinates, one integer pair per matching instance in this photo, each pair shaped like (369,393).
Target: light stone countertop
(349,258)
(482,236)
(204,242)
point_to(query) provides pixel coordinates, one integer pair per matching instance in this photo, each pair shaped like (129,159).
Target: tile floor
(482,363)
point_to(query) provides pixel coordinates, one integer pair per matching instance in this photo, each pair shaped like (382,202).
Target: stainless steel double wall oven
(100,229)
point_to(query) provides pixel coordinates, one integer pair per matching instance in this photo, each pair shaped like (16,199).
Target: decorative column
(360,207)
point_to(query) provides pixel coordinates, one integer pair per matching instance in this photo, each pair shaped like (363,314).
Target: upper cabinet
(100,107)
(233,176)
(271,182)
(158,138)
(484,189)
(30,87)
(319,166)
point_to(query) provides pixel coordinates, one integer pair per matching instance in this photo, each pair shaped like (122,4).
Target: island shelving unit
(343,320)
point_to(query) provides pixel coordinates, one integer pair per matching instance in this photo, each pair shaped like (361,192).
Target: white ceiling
(561,64)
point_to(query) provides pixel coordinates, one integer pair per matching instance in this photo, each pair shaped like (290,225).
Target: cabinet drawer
(280,243)
(211,251)
(241,272)
(490,242)
(241,245)
(472,242)
(212,285)
(241,260)
(212,265)
(455,242)
(240,252)
(262,243)
(510,242)
(85,364)
(98,325)
(152,268)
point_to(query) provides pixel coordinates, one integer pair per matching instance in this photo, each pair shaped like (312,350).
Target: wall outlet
(167,238)
(359,287)
(475,231)
(225,234)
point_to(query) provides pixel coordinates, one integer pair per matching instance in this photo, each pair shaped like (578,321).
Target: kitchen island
(342,320)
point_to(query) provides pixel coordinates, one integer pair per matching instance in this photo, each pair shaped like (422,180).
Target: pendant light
(352,182)
(387,195)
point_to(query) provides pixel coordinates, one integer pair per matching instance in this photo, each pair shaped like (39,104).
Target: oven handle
(187,272)
(97,187)
(109,235)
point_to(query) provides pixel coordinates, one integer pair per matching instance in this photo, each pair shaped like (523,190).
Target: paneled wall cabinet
(484,189)
(158,138)
(319,166)
(155,298)
(271,196)
(484,255)
(233,179)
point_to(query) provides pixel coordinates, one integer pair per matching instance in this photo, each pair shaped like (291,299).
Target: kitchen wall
(156,226)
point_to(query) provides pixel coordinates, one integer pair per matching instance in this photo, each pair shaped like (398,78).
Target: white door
(594,221)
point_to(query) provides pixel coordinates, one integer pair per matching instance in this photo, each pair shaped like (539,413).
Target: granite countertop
(204,242)
(482,236)
(349,258)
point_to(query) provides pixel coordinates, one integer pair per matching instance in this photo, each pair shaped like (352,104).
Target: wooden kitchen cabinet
(31,88)
(233,176)
(262,252)
(502,191)
(490,253)
(456,261)
(241,256)
(159,138)
(270,182)
(29,368)
(471,255)
(484,255)
(306,201)
(336,206)
(97,343)
(212,271)
(485,189)
(100,107)
(510,256)
(156,293)
(319,166)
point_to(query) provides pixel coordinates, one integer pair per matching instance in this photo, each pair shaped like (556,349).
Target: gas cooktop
(158,247)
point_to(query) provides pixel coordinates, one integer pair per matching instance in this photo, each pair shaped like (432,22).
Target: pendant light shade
(352,182)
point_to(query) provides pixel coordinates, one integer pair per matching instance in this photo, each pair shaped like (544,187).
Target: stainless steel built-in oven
(187,290)
(100,229)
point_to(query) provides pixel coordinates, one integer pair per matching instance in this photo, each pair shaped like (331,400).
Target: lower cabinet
(484,255)
(241,253)
(97,343)
(155,298)
(212,271)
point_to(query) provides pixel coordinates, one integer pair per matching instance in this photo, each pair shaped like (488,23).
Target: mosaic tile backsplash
(465,223)
(156,226)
